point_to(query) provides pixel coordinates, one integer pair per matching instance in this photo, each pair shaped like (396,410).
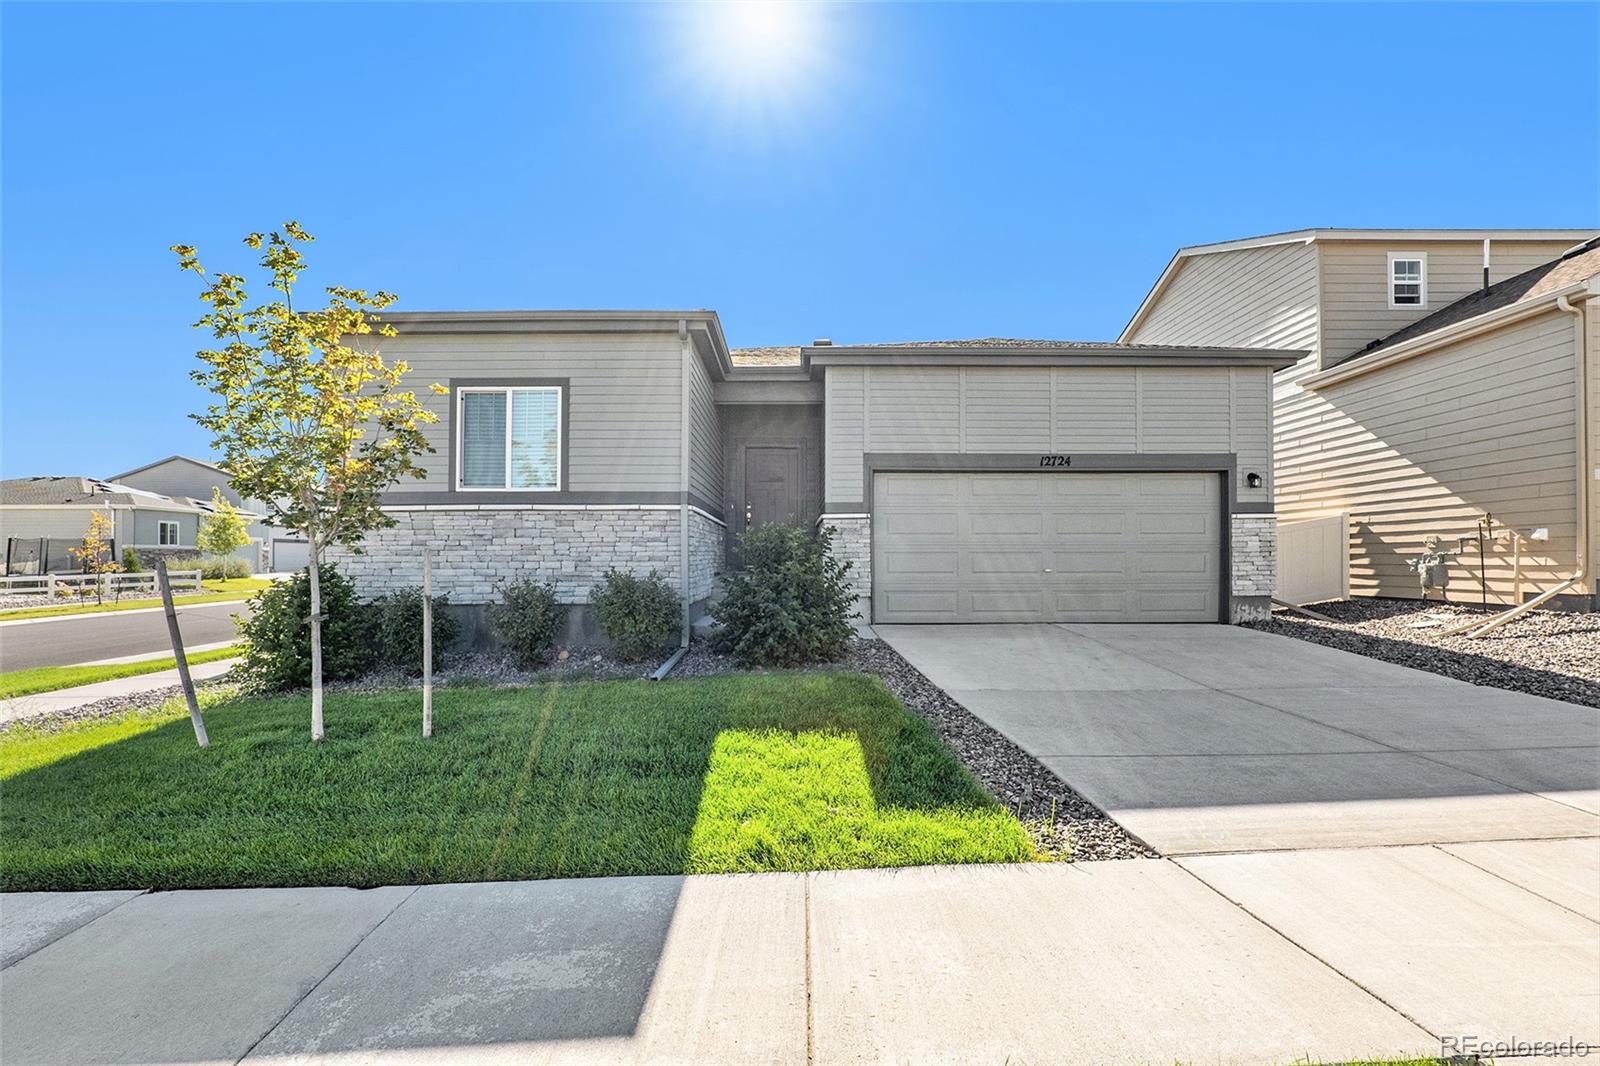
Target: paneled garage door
(1047,547)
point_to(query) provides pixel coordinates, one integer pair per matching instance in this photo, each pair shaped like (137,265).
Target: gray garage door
(289,555)
(1047,547)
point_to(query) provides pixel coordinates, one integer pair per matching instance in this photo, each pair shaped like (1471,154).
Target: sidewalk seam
(1253,916)
(56,940)
(1442,849)
(268,1031)
(810,1020)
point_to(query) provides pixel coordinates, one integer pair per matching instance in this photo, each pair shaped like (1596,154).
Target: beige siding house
(968,481)
(1440,395)
(182,476)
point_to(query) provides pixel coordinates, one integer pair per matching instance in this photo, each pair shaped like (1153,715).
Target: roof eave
(1456,331)
(1109,355)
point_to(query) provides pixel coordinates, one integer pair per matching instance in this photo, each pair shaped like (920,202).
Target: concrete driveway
(1206,738)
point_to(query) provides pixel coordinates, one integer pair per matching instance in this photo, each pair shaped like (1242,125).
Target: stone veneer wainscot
(477,549)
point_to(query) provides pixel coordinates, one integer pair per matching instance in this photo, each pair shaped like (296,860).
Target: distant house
(1451,385)
(185,476)
(42,518)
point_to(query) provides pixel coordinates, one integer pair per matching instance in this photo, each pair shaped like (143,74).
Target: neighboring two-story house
(1450,375)
(968,481)
(270,547)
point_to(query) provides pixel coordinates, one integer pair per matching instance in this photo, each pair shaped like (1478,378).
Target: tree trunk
(427,643)
(316,646)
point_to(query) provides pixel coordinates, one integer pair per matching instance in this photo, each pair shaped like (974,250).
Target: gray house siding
(622,404)
(1355,294)
(1114,409)
(1113,418)
(1254,297)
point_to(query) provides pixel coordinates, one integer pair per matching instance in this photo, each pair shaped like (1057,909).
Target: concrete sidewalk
(65,699)
(1125,962)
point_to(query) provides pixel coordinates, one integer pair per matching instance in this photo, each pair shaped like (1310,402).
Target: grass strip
(53,678)
(749,772)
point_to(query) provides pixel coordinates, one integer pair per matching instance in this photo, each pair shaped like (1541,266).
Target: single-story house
(1450,387)
(42,518)
(185,476)
(992,480)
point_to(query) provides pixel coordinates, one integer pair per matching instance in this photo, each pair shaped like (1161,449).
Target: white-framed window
(167,534)
(509,439)
(1408,279)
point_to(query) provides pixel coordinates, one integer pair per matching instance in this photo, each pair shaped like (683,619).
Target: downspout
(686,351)
(1581,426)
(683,491)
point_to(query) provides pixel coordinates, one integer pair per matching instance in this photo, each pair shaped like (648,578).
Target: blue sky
(871,173)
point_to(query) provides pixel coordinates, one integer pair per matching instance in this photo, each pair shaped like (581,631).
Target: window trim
(161,534)
(458,416)
(1422,281)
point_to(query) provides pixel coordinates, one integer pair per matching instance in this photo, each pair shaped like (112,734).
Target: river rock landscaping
(1543,653)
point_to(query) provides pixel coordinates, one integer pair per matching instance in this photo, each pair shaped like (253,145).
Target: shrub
(641,615)
(211,567)
(130,562)
(277,634)
(399,621)
(528,619)
(789,604)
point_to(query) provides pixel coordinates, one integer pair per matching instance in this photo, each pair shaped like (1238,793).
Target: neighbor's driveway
(1206,738)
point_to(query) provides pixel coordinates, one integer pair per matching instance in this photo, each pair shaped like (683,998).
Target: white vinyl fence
(63,585)
(1314,559)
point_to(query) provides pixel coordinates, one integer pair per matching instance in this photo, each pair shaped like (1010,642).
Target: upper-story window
(167,533)
(1408,279)
(509,438)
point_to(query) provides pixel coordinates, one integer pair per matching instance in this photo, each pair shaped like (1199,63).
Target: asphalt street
(89,638)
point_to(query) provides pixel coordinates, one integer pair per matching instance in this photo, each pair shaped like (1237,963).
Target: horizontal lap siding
(1355,279)
(980,409)
(1425,447)
(1253,298)
(705,436)
(623,422)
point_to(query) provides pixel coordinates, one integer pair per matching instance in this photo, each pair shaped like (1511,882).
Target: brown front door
(771,485)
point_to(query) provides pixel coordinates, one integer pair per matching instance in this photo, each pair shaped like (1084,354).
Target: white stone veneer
(1255,565)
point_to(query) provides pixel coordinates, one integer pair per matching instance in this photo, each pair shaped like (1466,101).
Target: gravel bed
(14,600)
(1061,822)
(1545,653)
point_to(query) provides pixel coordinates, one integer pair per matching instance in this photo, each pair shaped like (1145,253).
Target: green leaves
(308,416)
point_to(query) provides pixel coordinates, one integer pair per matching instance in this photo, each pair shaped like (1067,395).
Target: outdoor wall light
(1253,480)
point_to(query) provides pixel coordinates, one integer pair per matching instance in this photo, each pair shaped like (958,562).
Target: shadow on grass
(553,780)
(771,772)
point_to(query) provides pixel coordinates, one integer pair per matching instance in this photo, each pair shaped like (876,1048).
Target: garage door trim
(1223,464)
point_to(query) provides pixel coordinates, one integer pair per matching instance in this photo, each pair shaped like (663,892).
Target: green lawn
(238,588)
(767,772)
(51,678)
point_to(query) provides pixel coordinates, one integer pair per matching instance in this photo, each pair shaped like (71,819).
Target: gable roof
(163,462)
(84,492)
(1333,233)
(1578,265)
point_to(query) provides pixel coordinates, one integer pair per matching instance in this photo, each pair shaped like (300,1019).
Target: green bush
(789,604)
(641,615)
(130,562)
(277,633)
(399,621)
(211,567)
(528,619)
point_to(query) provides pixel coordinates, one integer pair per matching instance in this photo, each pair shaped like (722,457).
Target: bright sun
(757,63)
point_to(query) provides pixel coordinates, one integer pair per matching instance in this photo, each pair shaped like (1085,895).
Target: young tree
(94,553)
(307,415)
(222,532)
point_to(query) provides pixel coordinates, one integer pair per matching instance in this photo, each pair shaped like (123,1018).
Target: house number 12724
(1055,460)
